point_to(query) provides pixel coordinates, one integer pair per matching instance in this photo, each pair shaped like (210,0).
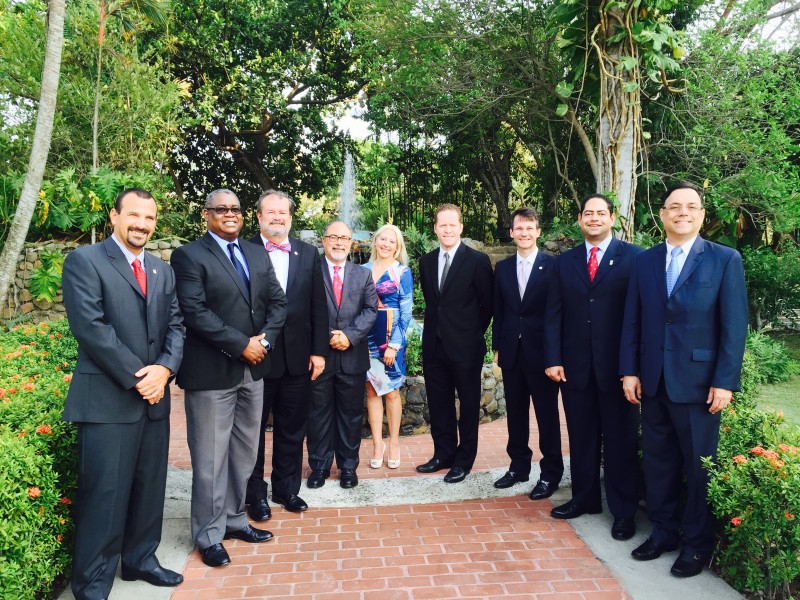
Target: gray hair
(279,194)
(216,193)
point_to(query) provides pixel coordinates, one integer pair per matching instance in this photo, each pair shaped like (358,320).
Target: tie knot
(336,269)
(676,252)
(594,250)
(137,263)
(284,247)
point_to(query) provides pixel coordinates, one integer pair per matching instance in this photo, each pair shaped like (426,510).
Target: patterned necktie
(522,277)
(287,247)
(239,268)
(337,285)
(593,262)
(672,270)
(444,270)
(140,275)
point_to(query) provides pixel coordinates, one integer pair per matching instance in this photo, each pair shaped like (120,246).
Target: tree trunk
(619,126)
(39,149)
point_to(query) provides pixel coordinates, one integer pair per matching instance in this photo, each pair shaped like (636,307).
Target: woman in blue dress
(387,341)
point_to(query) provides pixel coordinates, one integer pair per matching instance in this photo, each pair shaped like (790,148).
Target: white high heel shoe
(377,463)
(393,463)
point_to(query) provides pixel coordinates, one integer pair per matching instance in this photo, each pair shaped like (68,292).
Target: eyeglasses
(224,210)
(337,238)
(676,208)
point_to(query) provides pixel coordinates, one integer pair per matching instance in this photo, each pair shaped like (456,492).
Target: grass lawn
(785,396)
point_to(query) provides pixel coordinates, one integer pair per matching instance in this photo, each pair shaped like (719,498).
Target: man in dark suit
(122,309)
(297,359)
(234,309)
(337,395)
(584,320)
(521,286)
(683,340)
(457,286)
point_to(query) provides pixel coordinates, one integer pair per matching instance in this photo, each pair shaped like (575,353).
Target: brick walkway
(490,548)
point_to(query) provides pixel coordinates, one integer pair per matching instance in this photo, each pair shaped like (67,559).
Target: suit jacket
(118,333)
(696,338)
(354,317)
(305,331)
(519,322)
(219,316)
(460,314)
(584,318)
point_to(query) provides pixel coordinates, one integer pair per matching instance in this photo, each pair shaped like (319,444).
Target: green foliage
(755,492)
(38,460)
(774,364)
(46,279)
(414,354)
(773,284)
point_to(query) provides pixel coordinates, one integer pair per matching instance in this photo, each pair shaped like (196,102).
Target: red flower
(68,378)
(44,429)
(65,500)
(740,459)
(757,451)
(28,387)
(788,515)
(736,521)
(34,492)
(60,538)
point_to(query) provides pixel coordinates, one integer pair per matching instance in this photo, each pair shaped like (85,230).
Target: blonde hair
(400,254)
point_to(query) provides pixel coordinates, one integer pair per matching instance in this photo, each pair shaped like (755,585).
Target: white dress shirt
(280,262)
(681,258)
(452,253)
(601,249)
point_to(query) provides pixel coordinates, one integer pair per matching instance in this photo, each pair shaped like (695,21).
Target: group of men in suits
(670,322)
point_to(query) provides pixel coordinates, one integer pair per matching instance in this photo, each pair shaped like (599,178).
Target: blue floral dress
(395,290)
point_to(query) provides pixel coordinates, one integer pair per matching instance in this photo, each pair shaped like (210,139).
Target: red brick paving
(491,548)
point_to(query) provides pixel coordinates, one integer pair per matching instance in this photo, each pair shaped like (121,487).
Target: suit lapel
(294,262)
(222,257)
(658,270)
(533,277)
(456,262)
(692,261)
(151,272)
(580,264)
(121,264)
(610,258)
(326,277)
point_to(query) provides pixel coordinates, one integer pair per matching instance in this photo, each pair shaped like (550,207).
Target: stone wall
(20,304)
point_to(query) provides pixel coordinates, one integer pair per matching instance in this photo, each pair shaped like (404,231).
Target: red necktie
(285,247)
(140,275)
(593,263)
(337,285)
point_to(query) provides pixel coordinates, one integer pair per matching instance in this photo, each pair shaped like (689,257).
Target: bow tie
(285,247)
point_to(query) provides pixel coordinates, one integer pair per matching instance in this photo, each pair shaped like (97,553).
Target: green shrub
(774,364)
(38,468)
(414,354)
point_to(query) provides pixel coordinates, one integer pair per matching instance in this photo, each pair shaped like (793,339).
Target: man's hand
(718,398)
(555,373)
(154,380)
(632,388)
(254,353)
(339,340)
(316,364)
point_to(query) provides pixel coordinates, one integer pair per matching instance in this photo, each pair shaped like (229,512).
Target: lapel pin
(611,263)
(541,267)
(154,271)
(295,252)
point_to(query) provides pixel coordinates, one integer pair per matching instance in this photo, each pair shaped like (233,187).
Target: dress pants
(521,383)
(603,423)
(288,399)
(222,428)
(676,436)
(122,476)
(334,420)
(454,439)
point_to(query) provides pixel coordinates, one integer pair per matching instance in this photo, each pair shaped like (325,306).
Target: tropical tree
(40,148)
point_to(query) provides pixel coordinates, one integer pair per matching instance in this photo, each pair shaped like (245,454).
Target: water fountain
(348,212)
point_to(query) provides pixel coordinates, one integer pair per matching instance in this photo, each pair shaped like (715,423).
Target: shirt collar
(224,243)
(451,252)
(685,247)
(531,257)
(129,256)
(602,245)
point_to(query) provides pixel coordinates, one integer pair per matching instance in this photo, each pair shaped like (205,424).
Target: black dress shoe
(623,529)
(650,550)
(215,556)
(689,564)
(291,502)
(348,478)
(159,576)
(317,478)
(259,510)
(509,479)
(456,474)
(570,510)
(434,465)
(249,534)
(542,489)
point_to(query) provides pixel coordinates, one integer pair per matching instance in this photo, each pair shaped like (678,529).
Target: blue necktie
(239,267)
(672,270)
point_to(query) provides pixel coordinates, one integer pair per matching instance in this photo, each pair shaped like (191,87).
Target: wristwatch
(267,346)
(394,347)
